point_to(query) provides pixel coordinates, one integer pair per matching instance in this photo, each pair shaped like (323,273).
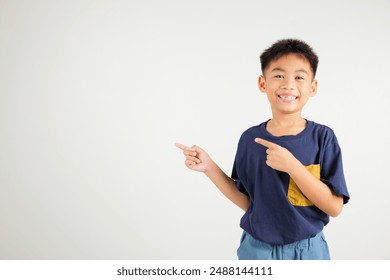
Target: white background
(93,95)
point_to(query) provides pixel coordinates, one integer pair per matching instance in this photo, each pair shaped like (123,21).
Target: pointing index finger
(181,146)
(265,143)
(184,147)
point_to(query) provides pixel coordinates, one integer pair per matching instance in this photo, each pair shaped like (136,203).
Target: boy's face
(288,83)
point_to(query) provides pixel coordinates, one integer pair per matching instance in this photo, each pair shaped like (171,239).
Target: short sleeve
(332,172)
(237,180)
(238,166)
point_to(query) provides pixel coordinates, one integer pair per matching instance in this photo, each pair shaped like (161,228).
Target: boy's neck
(286,125)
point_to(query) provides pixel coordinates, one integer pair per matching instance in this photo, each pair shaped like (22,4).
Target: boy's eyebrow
(303,71)
(282,70)
(277,69)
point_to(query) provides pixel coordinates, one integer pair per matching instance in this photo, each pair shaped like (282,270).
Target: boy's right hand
(196,158)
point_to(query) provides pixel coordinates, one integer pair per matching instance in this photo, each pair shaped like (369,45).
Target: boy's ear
(313,89)
(261,83)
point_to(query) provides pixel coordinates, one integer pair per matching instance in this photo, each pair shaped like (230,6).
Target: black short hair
(286,46)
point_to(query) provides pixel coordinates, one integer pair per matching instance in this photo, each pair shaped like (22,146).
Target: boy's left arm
(316,191)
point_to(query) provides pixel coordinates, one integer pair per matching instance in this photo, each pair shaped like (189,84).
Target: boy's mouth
(287,97)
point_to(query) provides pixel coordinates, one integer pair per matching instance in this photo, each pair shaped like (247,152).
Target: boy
(287,174)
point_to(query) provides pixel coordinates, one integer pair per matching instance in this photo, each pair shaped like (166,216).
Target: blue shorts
(314,248)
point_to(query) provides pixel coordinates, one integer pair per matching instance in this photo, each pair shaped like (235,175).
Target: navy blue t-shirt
(279,213)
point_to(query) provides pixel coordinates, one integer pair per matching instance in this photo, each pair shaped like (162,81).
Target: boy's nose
(288,84)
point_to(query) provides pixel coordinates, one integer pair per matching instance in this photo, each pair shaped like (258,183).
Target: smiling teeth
(288,97)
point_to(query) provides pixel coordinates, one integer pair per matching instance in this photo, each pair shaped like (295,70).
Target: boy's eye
(279,76)
(299,78)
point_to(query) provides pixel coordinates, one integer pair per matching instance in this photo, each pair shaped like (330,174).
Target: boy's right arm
(197,159)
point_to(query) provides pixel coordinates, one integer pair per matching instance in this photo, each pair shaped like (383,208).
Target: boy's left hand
(278,158)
